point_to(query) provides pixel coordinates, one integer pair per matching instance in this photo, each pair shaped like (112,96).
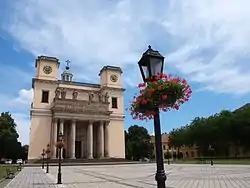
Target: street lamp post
(59,145)
(43,154)
(150,64)
(47,160)
(211,150)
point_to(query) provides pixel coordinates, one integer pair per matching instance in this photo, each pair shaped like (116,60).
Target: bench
(10,174)
(19,167)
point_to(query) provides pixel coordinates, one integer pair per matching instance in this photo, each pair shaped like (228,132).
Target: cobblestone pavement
(136,176)
(31,178)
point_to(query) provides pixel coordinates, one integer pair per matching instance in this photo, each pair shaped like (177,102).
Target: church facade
(90,116)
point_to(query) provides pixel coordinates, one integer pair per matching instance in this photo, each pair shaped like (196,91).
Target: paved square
(136,176)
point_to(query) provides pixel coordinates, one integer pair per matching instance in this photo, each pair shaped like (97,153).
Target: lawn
(3,169)
(216,161)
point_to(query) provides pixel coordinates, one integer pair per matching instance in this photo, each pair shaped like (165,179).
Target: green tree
(128,148)
(9,146)
(24,152)
(137,142)
(225,130)
(167,155)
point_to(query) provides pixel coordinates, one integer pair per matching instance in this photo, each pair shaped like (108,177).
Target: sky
(207,42)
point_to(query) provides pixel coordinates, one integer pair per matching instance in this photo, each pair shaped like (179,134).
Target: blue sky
(207,42)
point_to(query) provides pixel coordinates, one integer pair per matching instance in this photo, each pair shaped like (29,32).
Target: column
(101,140)
(73,139)
(90,140)
(106,139)
(61,131)
(54,138)
(83,149)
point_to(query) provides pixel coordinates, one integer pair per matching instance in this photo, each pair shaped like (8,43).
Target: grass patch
(216,161)
(3,170)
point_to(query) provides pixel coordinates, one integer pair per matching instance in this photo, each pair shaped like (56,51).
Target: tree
(9,145)
(137,143)
(24,152)
(167,155)
(128,148)
(226,131)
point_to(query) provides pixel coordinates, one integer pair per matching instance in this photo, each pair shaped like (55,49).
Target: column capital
(102,122)
(61,120)
(54,120)
(73,121)
(91,122)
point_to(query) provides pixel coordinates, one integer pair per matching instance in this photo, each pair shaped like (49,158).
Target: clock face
(47,69)
(113,78)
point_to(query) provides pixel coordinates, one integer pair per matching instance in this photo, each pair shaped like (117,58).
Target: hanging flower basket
(164,92)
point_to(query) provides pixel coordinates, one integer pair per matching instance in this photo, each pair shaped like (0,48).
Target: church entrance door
(78,149)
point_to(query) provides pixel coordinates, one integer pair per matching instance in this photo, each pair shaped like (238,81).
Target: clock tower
(47,68)
(111,77)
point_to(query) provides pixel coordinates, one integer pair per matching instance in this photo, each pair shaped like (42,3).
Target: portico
(83,138)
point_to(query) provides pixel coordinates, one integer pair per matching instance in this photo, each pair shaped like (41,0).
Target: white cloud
(23,125)
(19,103)
(216,44)
(19,110)
(24,98)
(207,41)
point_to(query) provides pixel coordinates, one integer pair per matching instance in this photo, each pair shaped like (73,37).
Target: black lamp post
(43,153)
(211,150)
(59,145)
(150,64)
(47,160)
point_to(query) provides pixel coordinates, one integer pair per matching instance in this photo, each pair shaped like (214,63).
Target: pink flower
(164,97)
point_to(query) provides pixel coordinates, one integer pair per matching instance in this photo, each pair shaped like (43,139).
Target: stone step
(39,161)
(83,164)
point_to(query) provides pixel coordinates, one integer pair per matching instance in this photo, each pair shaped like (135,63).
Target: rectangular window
(114,102)
(45,96)
(164,147)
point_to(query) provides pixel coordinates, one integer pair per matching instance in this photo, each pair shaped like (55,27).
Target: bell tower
(47,68)
(110,76)
(111,82)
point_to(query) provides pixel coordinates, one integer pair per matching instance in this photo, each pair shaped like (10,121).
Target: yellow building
(90,116)
(186,152)
(165,143)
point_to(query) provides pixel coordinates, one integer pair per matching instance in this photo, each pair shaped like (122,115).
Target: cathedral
(90,116)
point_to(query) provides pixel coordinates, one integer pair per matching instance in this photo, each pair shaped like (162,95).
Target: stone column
(73,139)
(61,129)
(106,141)
(83,149)
(101,140)
(54,138)
(90,140)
